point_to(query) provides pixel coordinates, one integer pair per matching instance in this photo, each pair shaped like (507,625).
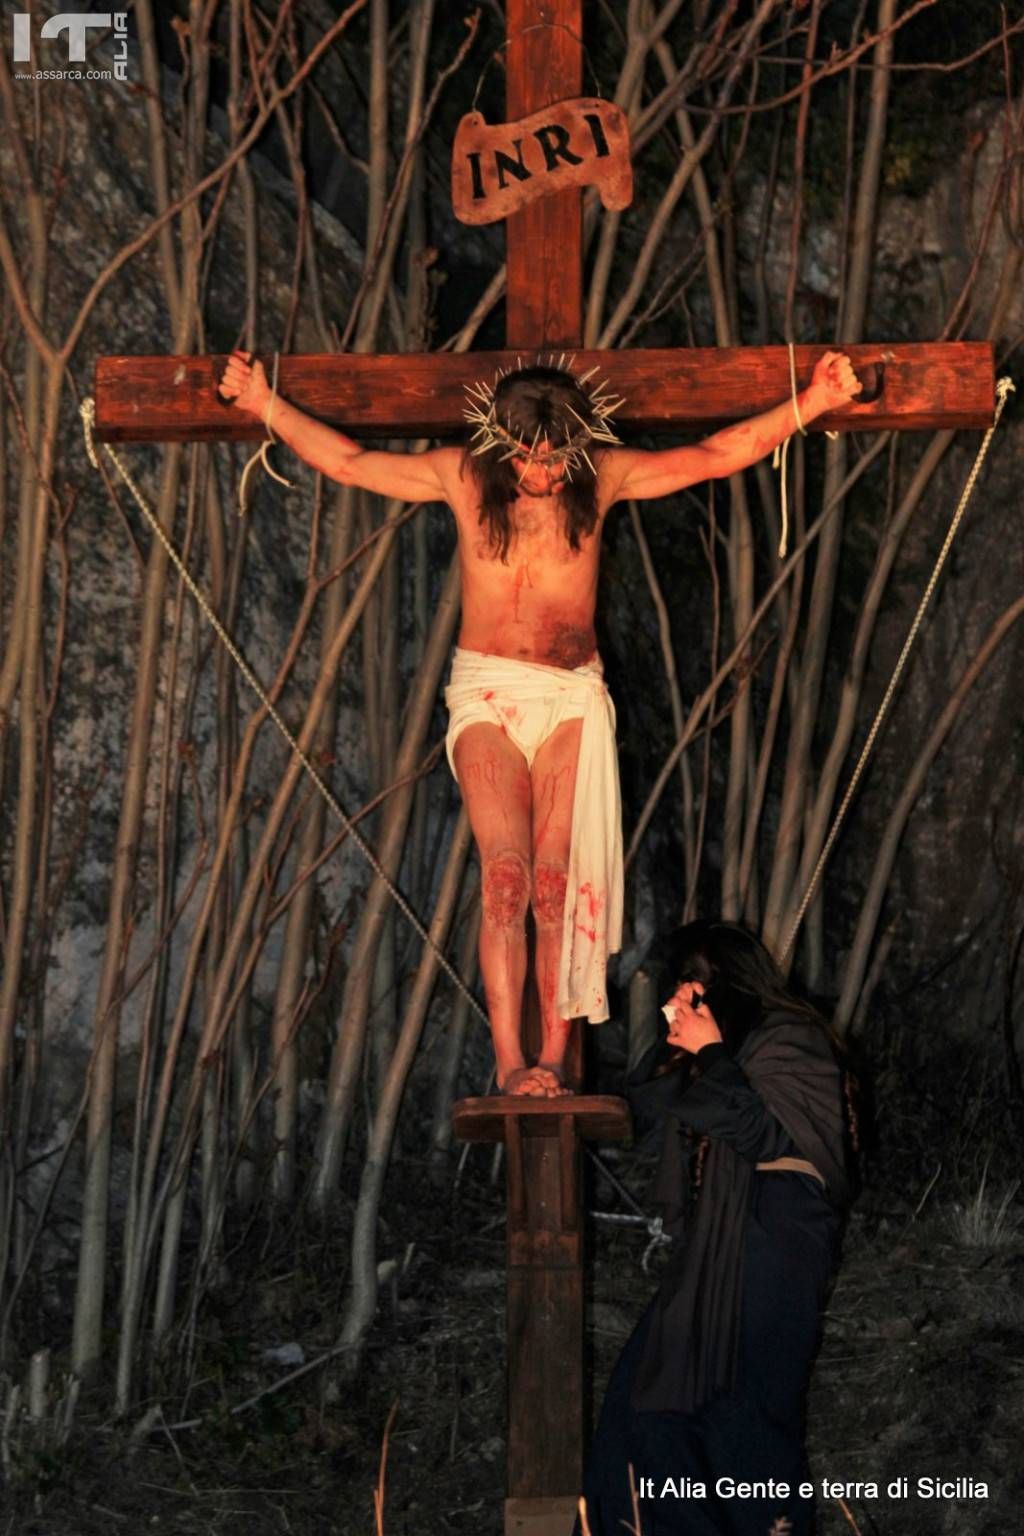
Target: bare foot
(537,1082)
(556,1070)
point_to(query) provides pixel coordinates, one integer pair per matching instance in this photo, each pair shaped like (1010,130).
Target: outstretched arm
(643,475)
(404,476)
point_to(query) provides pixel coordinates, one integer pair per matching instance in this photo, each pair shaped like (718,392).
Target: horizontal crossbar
(174,399)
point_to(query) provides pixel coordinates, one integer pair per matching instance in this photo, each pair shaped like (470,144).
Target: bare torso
(539,604)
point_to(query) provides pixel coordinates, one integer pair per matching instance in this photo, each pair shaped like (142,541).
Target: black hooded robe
(710,1389)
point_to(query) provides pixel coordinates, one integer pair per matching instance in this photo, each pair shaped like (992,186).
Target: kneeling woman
(707,1401)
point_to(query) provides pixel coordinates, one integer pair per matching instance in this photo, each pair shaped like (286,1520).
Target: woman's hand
(691,1022)
(245,382)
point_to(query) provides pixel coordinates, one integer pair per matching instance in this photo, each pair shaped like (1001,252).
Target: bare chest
(539,540)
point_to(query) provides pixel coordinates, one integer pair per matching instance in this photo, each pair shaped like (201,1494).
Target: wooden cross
(160,399)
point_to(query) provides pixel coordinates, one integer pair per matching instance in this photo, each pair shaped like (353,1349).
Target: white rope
(87,411)
(1004,388)
(780,456)
(260,456)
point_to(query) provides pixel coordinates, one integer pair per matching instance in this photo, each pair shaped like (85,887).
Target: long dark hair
(736,973)
(528,400)
(742,984)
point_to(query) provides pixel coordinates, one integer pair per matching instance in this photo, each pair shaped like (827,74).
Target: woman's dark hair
(526,401)
(742,984)
(736,973)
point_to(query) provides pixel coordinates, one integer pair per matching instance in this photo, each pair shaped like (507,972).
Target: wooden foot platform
(595,1116)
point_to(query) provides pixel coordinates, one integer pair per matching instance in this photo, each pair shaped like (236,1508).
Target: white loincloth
(529,701)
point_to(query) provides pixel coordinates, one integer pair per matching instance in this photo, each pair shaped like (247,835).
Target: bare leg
(554,787)
(495,784)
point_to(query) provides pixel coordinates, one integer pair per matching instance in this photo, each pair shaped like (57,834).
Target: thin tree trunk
(346,1058)
(217,1013)
(27,833)
(200,941)
(781,897)
(37,268)
(32,511)
(681,178)
(446,1084)
(871,906)
(363,1295)
(703,702)
(90,1288)
(92,1261)
(741,558)
(675,697)
(298,927)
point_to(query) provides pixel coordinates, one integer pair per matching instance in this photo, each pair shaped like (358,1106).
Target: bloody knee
(506,889)
(549,883)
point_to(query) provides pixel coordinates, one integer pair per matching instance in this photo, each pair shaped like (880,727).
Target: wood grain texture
(540,1516)
(599,1117)
(538,1234)
(545,1317)
(544,242)
(545,1382)
(675,389)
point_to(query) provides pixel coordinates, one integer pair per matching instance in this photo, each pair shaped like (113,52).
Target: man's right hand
(404,476)
(245,382)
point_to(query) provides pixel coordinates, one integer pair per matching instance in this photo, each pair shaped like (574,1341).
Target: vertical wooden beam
(544,240)
(544,1247)
(545,1334)
(544,310)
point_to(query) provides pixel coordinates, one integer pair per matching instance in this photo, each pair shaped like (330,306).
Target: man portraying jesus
(531,735)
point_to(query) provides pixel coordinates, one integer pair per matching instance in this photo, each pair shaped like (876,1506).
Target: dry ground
(921,1375)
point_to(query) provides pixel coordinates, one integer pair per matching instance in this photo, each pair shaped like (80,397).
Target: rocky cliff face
(105,199)
(956,891)
(955,898)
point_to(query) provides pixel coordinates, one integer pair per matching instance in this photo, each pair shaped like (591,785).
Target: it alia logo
(76,27)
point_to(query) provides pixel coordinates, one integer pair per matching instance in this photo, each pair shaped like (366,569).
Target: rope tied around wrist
(782,450)
(87,411)
(270,441)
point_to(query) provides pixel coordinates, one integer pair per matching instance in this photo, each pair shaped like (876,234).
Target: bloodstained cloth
(528,701)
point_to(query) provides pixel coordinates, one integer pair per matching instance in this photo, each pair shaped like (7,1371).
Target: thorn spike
(481,414)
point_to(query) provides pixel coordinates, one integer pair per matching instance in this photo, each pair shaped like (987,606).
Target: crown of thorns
(571,454)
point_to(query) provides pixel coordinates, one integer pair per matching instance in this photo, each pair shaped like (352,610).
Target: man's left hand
(833,382)
(691,1027)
